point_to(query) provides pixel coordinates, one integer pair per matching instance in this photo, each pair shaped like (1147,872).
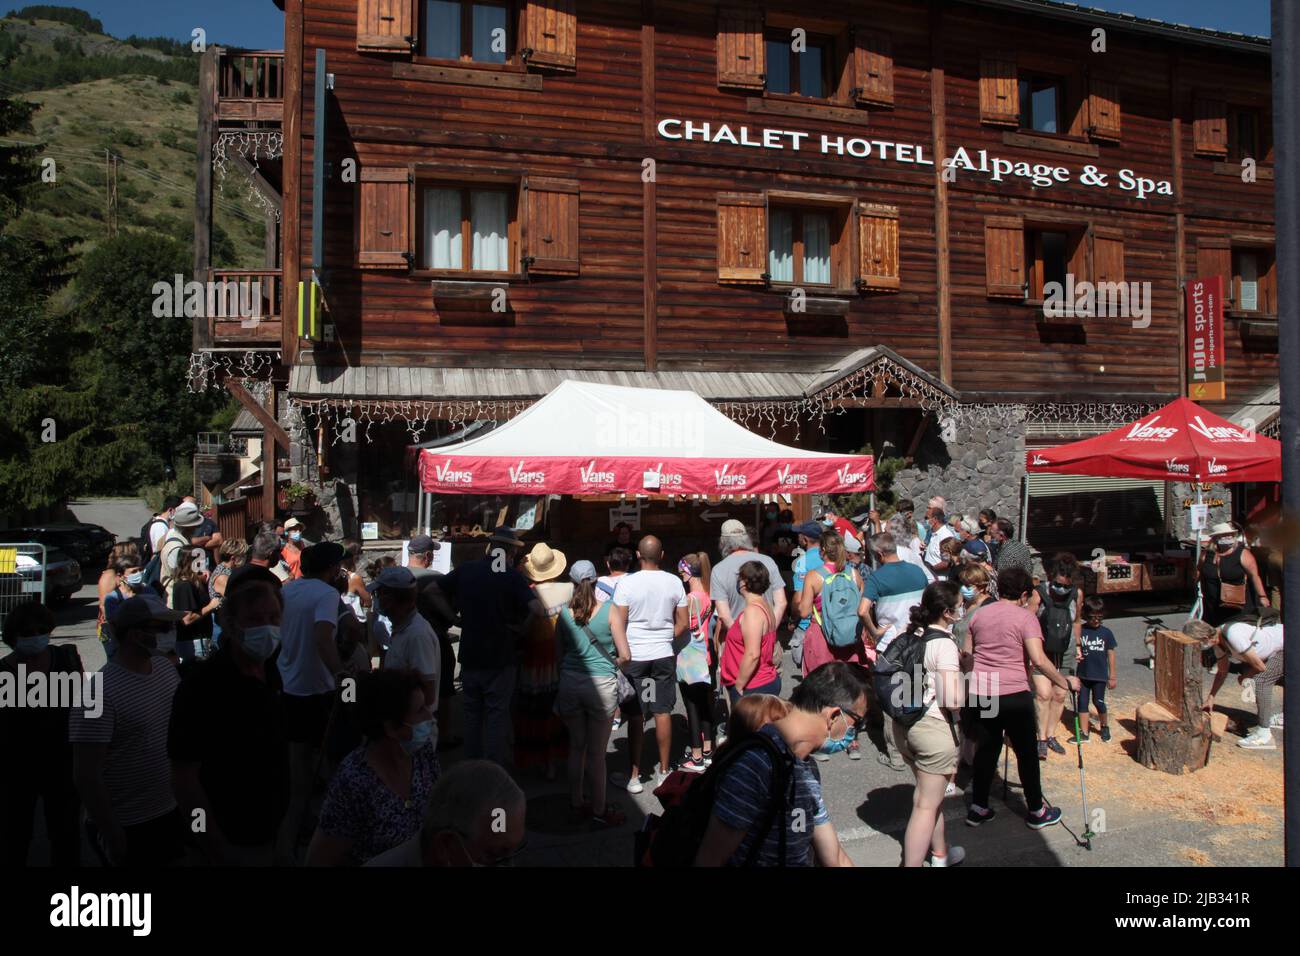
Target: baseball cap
(397,578)
(977,548)
(810,529)
(852,545)
(582,571)
(732,526)
(320,556)
(141,609)
(421,544)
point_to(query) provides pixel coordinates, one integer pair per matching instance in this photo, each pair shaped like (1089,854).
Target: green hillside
(97,99)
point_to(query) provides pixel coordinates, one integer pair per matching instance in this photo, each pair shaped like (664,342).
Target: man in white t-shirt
(649,611)
(308,664)
(186,520)
(414,645)
(617,562)
(1259,649)
(939,533)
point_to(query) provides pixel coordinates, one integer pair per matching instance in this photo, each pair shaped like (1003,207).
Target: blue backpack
(839,612)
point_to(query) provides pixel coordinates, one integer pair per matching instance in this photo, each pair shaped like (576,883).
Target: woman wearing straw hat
(539,732)
(1230,582)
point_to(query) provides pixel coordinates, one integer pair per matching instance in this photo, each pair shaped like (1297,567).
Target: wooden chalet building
(839,215)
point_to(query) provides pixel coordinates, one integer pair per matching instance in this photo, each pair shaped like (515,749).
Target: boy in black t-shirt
(1095,656)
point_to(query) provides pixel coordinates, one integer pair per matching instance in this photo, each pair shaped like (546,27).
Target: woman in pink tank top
(748,649)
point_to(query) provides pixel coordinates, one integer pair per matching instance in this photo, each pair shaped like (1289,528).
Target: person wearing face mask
(750,824)
(122,559)
(130,581)
(930,745)
(292,547)
(1059,606)
(475,818)
(1004,641)
(1231,586)
(414,645)
(377,798)
(226,737)
(37,753)
(119,744)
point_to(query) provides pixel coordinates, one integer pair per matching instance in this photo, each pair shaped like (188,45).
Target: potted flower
(297,498)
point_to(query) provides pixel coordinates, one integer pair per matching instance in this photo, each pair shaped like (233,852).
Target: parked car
(62,575)
(89,548)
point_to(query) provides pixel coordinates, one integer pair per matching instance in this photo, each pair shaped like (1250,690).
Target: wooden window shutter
(1214,258)
(386,26)
(551,35)
(384,230)
(1080,250)
(1104,110)
(1210,128)
(878,247)
(742,238)
(999,90)
(873,59)
(1107,254)
(742,59)
(551,226)
(1004,256)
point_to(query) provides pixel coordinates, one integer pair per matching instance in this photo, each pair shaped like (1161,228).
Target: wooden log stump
(1164,742)
(1172,732)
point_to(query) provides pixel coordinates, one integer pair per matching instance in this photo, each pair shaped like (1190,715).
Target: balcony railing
(220,443)
(250,85)
(244,305)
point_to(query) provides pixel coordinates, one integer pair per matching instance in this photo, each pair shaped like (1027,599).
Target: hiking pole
(1083,789)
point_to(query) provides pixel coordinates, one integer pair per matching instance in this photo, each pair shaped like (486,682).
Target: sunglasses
(859,721)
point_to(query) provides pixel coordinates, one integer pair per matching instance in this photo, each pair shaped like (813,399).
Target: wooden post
(269,456)
(290,246)
(1173,733)
(649,201)
(202,337)
(938,114)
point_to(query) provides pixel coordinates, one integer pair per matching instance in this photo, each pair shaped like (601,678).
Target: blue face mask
(134,581)
(295,535)
(31,646)
(968,592)
(421,734)
(260,642)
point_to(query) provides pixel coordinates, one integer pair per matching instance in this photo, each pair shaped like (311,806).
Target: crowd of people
(245,720)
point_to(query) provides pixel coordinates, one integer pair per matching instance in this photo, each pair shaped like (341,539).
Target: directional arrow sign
(710,515)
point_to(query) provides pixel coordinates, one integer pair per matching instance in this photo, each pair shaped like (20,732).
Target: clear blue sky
(259,23)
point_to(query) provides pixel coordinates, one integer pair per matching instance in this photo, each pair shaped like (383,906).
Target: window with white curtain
(456,219)
(799,246)
(780,238)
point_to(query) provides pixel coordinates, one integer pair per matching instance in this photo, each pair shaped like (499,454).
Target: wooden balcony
(246,310)
(250,86)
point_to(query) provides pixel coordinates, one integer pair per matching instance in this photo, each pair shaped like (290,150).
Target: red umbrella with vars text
(1180,442)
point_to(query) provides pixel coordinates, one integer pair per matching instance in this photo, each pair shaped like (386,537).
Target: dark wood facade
(630,250)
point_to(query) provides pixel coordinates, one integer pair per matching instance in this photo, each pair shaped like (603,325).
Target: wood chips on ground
(1236,788)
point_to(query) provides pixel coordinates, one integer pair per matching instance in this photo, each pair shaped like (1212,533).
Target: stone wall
(974,456)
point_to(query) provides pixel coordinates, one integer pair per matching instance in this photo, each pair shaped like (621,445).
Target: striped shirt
(745,794)
(137,711)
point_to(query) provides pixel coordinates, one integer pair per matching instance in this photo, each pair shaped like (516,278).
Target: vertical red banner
(1205,379)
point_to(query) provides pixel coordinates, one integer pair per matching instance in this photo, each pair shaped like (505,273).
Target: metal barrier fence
(22,575)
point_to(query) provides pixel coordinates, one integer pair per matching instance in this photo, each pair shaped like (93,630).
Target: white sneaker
(955,855)
(1261,738)
(951,791)
(660,776)
(623,782)
(1276,722)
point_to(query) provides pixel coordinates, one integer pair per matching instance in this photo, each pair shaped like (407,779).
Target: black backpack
(673,839)
(146,540)
(1056,620)
(899,675)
